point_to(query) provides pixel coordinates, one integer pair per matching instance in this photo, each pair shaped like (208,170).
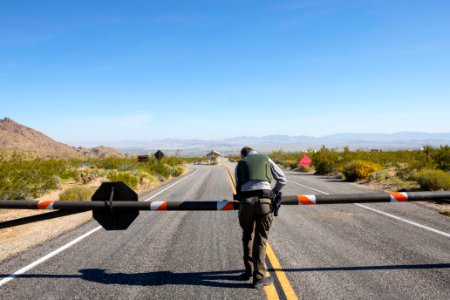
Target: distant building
(213,158)
(82,165)
(143,158)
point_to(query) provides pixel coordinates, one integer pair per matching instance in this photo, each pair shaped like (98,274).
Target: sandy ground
(20,238)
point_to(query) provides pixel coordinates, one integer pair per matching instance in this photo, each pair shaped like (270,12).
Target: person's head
(245,151)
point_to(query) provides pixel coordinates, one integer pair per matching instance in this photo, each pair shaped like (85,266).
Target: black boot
(246,275)
(262,282)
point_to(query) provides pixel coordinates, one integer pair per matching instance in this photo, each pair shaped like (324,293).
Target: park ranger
(254,174)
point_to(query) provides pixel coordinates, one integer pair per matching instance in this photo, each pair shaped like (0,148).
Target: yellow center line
(270,290)
(282,278)
(232,183)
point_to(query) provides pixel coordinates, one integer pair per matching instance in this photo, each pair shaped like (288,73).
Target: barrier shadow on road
(221,279)
(368,268)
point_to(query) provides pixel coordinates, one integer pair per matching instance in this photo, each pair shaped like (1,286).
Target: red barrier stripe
(305,200)
(43,204)
(228,206)
(400,197)
(163,206)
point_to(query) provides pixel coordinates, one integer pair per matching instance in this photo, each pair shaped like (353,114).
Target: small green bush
(433,180)
(80,193)
(359,169)
(441,157)
(304,169)
(176,171)
(325,161)
(129,178)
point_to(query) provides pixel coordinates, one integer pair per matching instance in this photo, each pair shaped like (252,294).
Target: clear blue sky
(118,70)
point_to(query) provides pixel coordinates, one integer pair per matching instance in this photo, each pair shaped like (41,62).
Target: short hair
(246,150)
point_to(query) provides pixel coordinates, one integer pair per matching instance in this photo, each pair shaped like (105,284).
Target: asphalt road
(324,252)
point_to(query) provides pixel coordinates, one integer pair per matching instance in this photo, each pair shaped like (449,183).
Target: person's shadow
(212,279)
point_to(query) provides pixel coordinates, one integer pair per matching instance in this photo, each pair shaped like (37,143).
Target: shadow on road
(369,268)
(211,279)
(222,279)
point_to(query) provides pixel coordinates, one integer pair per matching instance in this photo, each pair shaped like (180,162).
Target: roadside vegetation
(22,177)
(426,169)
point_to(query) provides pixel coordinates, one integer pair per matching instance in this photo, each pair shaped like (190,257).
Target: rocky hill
(20,138)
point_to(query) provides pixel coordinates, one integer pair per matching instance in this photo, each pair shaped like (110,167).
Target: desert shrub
(165,168)
(325,161)
(441,157)
(433,180)
(301,168)
(290,164)
(129,178)
(234,158)
(80,193)
(21,178)
(176,171)
(359,169)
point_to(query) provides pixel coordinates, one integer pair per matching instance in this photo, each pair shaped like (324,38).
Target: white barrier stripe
(394,199)
(312,198)
(222,204)
(156,205)
(48,204)
(172,185)
(404,220)
(306,199)
(48,256)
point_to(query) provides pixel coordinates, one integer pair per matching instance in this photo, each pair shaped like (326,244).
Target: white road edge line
(404,220)
(308,187)
(70,244)
(162,191)
(383,213)
(48,256)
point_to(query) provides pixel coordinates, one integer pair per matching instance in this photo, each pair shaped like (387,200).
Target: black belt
(257,193)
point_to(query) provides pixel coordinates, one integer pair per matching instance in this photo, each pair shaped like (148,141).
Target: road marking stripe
(162,191)
(48,256)
(308,187)
(270,290)
(232,182)
(404,220)
(282,278)
(70,244)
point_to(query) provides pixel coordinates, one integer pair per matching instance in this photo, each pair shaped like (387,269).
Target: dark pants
(255,218)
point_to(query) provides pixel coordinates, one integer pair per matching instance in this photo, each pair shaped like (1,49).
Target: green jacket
(254,167)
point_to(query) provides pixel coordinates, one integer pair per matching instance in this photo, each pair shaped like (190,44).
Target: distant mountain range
(14,136)
(400,140)
(20,138)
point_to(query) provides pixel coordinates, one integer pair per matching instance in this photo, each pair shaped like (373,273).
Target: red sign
(305,161)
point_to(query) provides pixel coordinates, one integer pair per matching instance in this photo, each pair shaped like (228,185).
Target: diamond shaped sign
(305,161)
(159,155)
